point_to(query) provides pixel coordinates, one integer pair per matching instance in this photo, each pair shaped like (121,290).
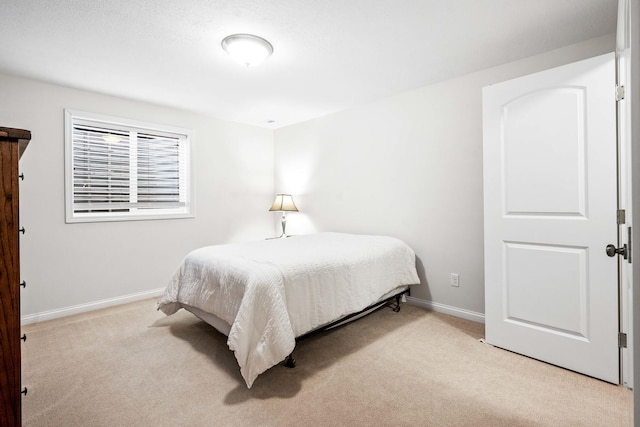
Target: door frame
(629,24)
(625,186)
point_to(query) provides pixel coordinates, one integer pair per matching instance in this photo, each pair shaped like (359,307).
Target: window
(119,169)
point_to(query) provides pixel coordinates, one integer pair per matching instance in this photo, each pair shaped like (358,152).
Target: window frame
(186,139)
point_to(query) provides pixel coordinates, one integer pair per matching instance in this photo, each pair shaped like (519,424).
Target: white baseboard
(96,305)
(90,306)
(447,309)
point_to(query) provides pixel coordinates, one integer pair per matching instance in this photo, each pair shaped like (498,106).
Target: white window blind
(118,169)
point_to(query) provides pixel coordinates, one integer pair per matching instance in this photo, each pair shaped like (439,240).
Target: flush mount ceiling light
(247,49)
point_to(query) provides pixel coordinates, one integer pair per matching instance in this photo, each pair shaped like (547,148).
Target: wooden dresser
(12,144)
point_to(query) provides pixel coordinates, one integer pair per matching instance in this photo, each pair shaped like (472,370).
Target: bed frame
(290,362)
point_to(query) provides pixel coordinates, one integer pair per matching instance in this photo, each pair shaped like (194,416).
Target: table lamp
(283,203)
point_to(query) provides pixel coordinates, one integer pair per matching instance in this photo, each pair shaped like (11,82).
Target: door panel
(560,288)
(550,210)
(541,176)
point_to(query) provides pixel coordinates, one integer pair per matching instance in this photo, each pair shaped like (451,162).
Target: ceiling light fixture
(247,49)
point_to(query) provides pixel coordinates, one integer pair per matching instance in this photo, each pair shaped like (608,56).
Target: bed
(263,295)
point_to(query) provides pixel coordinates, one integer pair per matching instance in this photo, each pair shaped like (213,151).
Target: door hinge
(619,93)
(621,216)
(622,340)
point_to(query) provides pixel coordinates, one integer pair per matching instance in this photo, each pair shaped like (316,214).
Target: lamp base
(283,221)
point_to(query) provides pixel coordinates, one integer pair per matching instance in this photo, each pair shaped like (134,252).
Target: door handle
(613,251)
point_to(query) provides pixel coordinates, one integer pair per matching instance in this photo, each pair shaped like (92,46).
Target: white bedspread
(275,290)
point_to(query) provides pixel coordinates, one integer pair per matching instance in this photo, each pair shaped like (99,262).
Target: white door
(551,291)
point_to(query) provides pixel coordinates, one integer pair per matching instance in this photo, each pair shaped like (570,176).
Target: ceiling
(329,55)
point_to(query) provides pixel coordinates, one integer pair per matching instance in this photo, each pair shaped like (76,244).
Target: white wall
(409,166)
(70,265)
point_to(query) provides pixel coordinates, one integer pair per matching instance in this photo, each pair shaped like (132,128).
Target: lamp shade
(284,203)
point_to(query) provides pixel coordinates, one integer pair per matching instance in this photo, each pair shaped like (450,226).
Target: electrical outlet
(454,279)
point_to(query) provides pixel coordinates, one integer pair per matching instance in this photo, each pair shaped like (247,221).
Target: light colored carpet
(132,366)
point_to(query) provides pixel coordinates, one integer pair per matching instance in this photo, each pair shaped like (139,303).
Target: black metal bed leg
(397,307)
(290,362)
